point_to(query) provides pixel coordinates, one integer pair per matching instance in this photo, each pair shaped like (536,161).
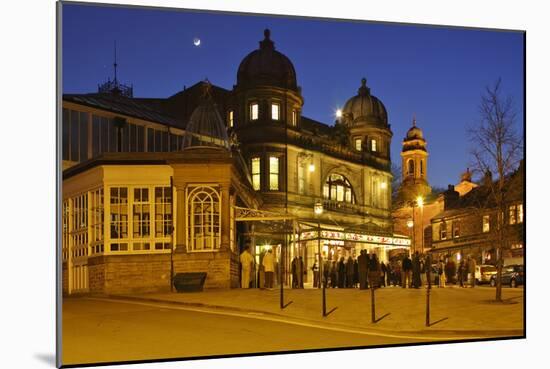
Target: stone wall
(221,267)
(136,273)
(96,274)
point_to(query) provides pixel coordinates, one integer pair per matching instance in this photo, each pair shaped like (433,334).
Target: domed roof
(205,127)
(365,106)
(414,133)
(266,66)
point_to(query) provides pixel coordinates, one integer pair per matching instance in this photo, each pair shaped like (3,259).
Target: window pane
(294,117)
(74,135)
(96,135)
(104,134)
(231,118)
(150,140)
(273,173)
(83,136)
(254,112)
(512,214)
(140,139)
(158,141)
(358,144)
(256,173)
(373,145)
(275,108)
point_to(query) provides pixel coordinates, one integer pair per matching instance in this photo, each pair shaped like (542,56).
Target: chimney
(450,198)
(487,178)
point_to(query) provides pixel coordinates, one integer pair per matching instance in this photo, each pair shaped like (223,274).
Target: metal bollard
(373,314)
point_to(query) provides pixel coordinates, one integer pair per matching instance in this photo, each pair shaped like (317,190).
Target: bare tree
(497,149)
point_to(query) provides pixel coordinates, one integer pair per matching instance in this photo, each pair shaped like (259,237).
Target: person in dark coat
(461,268)
(349,272)
(416,270)
(301,272)
(355,273)
(294,268)
(374,272)
(334,274)
(362,269)
(326,271)
(406,270)
(383,273)
(341,273)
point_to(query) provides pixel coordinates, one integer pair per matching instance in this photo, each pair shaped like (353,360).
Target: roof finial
(266,43)
(363,90)
(414,119)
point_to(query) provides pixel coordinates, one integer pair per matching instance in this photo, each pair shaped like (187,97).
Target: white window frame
(206,198)
(275,111)
(373,145)
(274,185)
(231,118)
(254,111)
(256,175)
(358,144)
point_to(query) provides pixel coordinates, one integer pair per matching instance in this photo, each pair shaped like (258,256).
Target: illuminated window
(373,146)
(256,173)
(141,213)
(410,167)
(456,229)
(294,118)
(275,111)
(512,214)
(486,224)
(520,213)
(338,188)
(254,111)
(273,173)
(443,231)
(119,213)
(203,230)
(301,177)
(163,211)
(96,221)
(421,166)
(79,226)
(358,143)
(231,114)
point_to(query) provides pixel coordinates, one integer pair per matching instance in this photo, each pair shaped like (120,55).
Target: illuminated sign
(355,237)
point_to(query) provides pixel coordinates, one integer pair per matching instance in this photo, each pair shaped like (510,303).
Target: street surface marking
(280,320)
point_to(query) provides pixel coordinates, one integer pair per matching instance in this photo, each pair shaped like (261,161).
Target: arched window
(410,166)
(421,166)
(203,222)
(338,188)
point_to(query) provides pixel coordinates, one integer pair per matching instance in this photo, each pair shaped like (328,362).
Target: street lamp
(318,210)
(338,113)
(311,168)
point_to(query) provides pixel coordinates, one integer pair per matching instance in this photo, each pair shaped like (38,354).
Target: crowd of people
(366,271)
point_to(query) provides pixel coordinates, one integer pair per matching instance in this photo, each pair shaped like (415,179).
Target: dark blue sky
(436,73)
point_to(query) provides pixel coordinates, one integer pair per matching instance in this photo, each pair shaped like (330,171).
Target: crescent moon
(197,42)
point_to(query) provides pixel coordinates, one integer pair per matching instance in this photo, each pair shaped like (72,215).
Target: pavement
(457,312)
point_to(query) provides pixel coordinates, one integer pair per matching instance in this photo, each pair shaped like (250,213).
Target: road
(97,330)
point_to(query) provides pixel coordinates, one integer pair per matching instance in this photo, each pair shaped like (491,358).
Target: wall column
(181,218)
(225,217)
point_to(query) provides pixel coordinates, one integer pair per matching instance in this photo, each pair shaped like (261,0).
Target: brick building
(467,226)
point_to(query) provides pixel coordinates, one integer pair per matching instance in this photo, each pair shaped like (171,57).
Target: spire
(114,87)
(115,65)
(414,119)
(267,43)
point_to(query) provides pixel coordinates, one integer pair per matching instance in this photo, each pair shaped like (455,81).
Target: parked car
(512,275)
(484,273)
